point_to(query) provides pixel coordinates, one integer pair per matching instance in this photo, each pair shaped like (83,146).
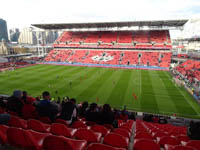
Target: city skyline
(23,13)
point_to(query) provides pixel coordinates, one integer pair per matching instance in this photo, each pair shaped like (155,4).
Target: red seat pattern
(52,142)
(145,144)
(167,140)
(98,146)
(143,135)
(17,122)
(61,129)
(116,140)
(38,126)
(25,139)
(193,143)
(88,135)
(79,124)
(119,39)
(62,122)
(178,147)
(111,57)
(122,132)
(3,135)
(101,129)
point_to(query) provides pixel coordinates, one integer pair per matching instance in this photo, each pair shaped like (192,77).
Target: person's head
(106,108)
(85,104)
(46,95)
(93,106)
(24,93)
(73,100)
(17,94)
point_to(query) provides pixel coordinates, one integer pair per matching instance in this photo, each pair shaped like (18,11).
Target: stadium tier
(190,69)
(119,39)
(114,57)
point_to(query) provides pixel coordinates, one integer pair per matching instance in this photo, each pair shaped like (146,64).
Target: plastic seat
(79,124)
(38,126)
(167,140)
(143,135)
(45,120)
(98,146)
(116,140)
(17,122)
(25,139)
(122,132)
(182,138)
(177,147)
(61,129)
(158,134)
(193,143)
(62,122)
(101,129)
(145,144)
(52,142)
(88,135)
(3,134)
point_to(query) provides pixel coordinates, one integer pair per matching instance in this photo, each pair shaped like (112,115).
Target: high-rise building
(28,36)
(3,30)
(14,34)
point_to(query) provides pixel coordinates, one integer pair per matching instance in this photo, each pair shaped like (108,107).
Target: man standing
(46,108)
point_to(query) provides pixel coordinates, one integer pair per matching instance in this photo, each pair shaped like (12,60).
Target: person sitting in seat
(92,114)
(107,116)
(46,108)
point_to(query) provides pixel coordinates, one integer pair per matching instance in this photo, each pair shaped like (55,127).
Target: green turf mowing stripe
(134,87)
(162,95)
(118,92)
(94,86)
(179,101)
(148,103)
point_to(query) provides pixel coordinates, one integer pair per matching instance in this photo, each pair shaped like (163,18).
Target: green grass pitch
(155,90)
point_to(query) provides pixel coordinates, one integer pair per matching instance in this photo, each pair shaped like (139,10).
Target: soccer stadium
(102,86)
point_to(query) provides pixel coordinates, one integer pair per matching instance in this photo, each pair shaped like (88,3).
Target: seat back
(98,146)
(168,140)
(194,144)
(144,144)
(180,147)
(45,120)
(101,129)
(20,138)
(122,132)
(86,134)
(143,135)
(79,124)
(36,125)
(17,122)
(116,140)
(60,129)
(52,142)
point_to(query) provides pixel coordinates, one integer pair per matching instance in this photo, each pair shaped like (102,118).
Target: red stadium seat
(17,122)
(88,135)
(61,129)
(182,138)
(52,142)
(143,135)
(122,132)
(101,129)
(79,124)
(98,146)
(3,135)
(167,140)
(38,126)
(25,139)
(116,140)
(178,147)
(45,120)
(62,122)
(145,144)
(192,143)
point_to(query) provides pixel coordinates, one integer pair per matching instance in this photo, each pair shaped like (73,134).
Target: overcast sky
(22,13)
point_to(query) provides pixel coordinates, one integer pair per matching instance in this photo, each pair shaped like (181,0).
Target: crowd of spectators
(29,107)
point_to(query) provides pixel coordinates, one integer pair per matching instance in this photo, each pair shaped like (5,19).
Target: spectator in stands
(123,116)
(83,109)
(193,130)
(69,112)
(46,108)
(107,116)
(4,118)
(26,98)
(132,116)
(15,103)
(92,114)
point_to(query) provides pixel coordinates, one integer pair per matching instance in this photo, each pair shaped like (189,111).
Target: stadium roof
(159,23)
